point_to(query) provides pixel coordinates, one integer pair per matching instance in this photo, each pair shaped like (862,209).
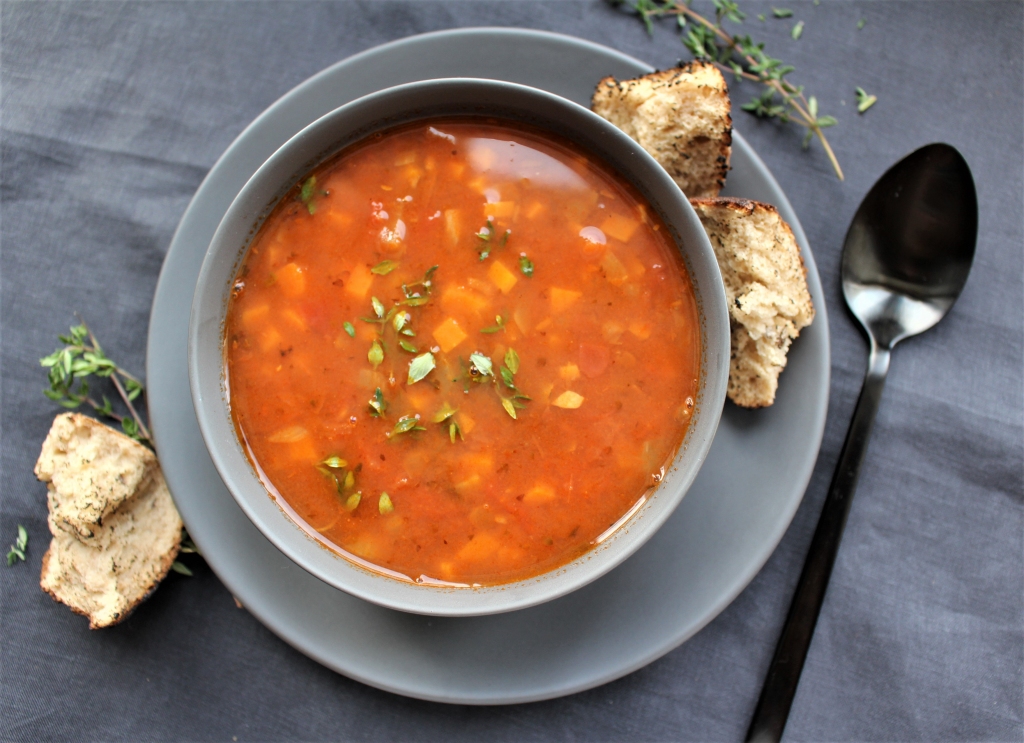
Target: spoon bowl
(905,261)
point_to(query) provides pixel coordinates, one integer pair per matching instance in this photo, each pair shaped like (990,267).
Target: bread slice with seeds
(766,290)
(681,116)
(115,529)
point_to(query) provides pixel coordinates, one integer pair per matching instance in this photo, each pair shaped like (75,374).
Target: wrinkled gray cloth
(111,114)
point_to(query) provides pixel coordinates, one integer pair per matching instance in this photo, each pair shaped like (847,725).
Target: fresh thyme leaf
(487,231)
(512,360)
(525,265)
(401,320)
(307,192)
(507,378)
(384,504)
(499,324)
(481,364)
(17,550)
(864,100)
(188,546)
(378,405)
(182,568)
(335,463)
(350,480)
(798,30)
(352,502)
(408,331)
(384,268)
(420,367)
(454,430)
(407,346)
(427,283)
(378,307)
(446,412)
(782,12)
(416,301)
(509,407)
(860,24)
(130,428)
(760,17)
(350,329)
(375,355)
(407,423)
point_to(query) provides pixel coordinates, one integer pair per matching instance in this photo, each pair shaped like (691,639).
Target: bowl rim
(296,158)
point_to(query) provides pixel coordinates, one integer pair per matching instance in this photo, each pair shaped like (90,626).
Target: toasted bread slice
(766,290)
(682,117)
(115,529)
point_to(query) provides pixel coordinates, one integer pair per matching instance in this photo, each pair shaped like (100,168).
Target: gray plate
(727,526)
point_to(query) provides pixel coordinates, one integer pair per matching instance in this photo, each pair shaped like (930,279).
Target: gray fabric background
(110,115)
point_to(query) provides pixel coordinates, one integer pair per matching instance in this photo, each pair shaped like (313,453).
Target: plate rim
(742,579)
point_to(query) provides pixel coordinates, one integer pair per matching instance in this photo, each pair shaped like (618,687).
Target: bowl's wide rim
(339,129)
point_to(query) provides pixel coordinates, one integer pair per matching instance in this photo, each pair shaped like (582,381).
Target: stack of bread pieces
(682,117)
(115,529)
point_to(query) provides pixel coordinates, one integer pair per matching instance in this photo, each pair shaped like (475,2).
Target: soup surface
(461,352)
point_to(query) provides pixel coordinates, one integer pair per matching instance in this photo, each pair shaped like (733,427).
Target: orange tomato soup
(461,351)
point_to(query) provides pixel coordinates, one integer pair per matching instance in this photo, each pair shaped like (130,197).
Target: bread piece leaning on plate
(115,529)
(681,117)
(765,288)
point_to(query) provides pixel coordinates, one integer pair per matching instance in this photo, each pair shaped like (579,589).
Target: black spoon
(905,261)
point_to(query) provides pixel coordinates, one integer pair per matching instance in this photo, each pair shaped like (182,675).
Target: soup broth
(462,351)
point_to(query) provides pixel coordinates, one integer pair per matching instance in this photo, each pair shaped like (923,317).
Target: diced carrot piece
(467,485)
(534,210)
(563,299)
(466,424)
(521,317)
(640,329)
(539,493)
(500,209)
(543,324)
(405,158)
(460,300)
(614,271)
(620,227)
(254,316)
(501,277)
(359,281)
(448,334)
(568,400)
(612,331)
(303,450)
(594,359)
(412,176)
(569,372)
(292,280)
(480,462)
(480,547)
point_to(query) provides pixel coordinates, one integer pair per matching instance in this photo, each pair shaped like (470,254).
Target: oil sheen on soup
(461,351)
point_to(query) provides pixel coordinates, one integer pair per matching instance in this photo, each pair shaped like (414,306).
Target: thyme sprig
(707,40)
(17,551)
(83,357)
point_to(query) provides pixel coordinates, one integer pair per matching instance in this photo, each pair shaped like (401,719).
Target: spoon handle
(784,674)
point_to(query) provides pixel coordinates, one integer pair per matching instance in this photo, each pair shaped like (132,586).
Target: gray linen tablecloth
(113,112)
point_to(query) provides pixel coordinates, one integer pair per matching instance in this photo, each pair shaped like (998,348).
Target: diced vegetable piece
(253,317)
(521,317)
(480,547)
(641,329)
(466,423)
(620,227)
(568,400)
(500,209)
(453,225)
(449,335)
(295,319)
(569,372)
(594,359)
(292,279)
(612,331)
(501,277)
(359,281)
(614,271)
(460,300)
(563,299)
(539,493)
(288,435)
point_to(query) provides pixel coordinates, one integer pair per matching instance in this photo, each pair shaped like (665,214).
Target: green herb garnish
(384,504)
(426,283)
(384,268)
(707,40)
(350,329)
(798,30)
(860,24)
(401,320)
(512,360)
(17,551)
(378,307)
(352,502)
(180,567)
(307,193)
(420,367)
(525,265)
(407,346)
(406,424)
(486,237)
(446,412)
(80,358)
(335,463)
(480,365)
(378,405)
(375,355)
(864,100)
(499,324)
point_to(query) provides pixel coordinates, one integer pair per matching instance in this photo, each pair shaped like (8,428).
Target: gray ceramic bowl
(334,132)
